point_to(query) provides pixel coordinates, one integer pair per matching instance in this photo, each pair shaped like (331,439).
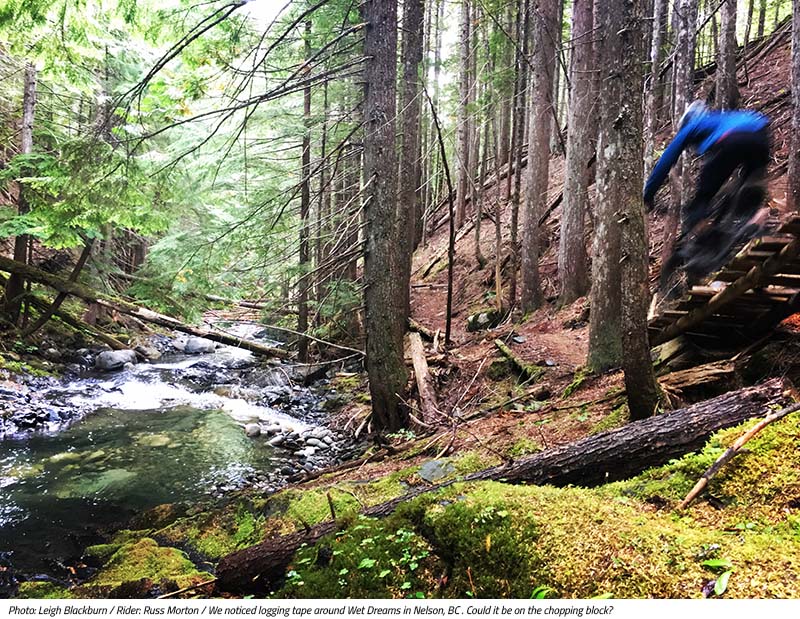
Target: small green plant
(724,569)
(404,434)
(542,592)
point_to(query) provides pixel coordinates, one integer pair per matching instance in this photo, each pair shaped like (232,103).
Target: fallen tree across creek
(608,456)
(124,307)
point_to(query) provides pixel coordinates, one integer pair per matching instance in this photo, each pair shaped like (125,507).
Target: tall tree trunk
(762,17)
(683,70)
(305,205)
(541,119)
(464,98)
(650,106)
(324,224)
(624,59)
(506,60)
(559,84)
(426,148)
(413,15)
(479,195)
(793,177)
(385,323)
(435,181)
(16,285)
(516,144)
(605,341)
(748,26)
(572,258)
(727,95)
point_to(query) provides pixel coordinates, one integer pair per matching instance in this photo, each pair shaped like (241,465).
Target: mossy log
(424,332)
(87,294)
(530,371)
(609,456)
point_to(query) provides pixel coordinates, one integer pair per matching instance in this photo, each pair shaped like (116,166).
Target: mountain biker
(726,140)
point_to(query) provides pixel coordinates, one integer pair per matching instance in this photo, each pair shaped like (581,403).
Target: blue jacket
(701,132)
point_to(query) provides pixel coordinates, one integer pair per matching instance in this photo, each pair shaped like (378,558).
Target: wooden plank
(730,293)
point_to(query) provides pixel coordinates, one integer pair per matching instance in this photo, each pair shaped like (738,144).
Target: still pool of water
(56,491)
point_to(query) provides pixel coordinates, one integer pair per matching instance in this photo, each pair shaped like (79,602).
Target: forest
(399,299)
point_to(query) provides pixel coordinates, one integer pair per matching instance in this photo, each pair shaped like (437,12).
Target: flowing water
(154,437)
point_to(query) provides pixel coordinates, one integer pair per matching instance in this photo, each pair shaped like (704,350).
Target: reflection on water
(56,490)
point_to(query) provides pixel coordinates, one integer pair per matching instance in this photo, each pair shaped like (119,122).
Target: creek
(182,429)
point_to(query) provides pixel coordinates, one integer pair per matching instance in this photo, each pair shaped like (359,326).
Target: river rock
(435,470)
(149,352)
(252,430)
(277,441)
(52,354)
(114,359)
(199,345)
(315,442)
(274,429)
(154,440)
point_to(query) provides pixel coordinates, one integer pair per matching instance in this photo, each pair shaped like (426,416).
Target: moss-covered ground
(491,539)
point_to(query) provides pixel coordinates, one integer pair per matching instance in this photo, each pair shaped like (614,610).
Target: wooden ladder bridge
(750,296)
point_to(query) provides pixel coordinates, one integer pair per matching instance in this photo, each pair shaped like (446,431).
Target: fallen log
(68,319)
(427,395)
(87,294)
(413,325)
(530,371)
(608,456)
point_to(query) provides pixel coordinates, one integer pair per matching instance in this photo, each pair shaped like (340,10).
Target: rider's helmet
(695,110)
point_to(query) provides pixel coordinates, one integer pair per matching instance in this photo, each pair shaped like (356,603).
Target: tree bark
(624,56)
(410,175)
(793,174)
(597,459)
(727,95)
(652,104)
(15,288)
(518,137)
(385,323)
(541,120)
(605,341)
(762,17)
(572,258)
(464,98)
(683,72)
(305,205)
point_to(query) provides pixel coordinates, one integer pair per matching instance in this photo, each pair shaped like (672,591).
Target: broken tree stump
(608,456)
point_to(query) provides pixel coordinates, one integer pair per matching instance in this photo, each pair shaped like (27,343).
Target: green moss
(499,369)
(524,446)
(216,533)
(31,368)
(616,418)
(580,376)
(473,461)
(372,558)
(137,566)
(146,559)
(42,590)
(101,552)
